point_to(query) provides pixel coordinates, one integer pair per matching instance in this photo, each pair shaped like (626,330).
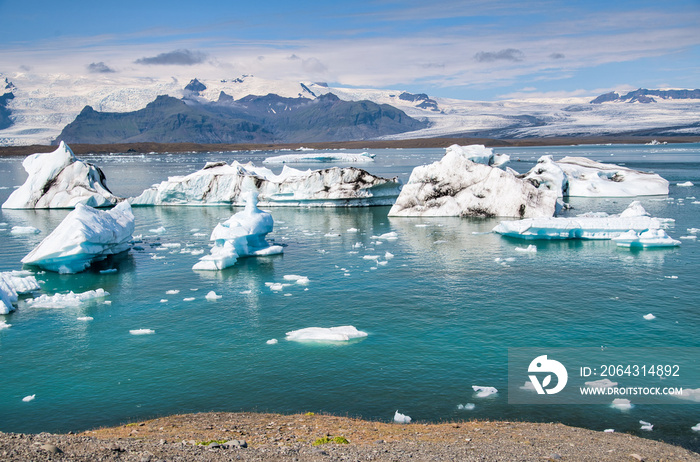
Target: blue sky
(480,50)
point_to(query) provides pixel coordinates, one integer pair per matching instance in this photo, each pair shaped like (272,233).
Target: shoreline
(272,437)
(148,147)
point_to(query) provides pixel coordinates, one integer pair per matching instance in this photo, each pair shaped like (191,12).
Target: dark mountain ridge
(642,95)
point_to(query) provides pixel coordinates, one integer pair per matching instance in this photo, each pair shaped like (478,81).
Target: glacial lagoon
(441,304)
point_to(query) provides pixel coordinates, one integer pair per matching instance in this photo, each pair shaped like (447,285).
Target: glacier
(457,186)
(84,236)
(219,183)
(582,177)
(598,225)
(59,180)
(241,235)
(13,283)
(339,157)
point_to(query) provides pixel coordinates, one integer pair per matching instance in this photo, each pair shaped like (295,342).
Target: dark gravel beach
(309,437)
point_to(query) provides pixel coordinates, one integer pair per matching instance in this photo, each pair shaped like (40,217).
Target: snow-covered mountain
(42,105)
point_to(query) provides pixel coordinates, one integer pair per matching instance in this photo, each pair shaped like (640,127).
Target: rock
(53,449)
(114,447)
(637,457)
(235,444)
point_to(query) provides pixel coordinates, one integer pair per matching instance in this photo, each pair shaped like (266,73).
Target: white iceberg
(142,331)
(211,295)
(219,183)
(649,317)
(457,186)
(13,283)
(690,394)
(646,426)
(66,300)
(529,249)
(483,392)
(479,154)
(650,238)
(622,404)
(401,418)
(685,184)
(84,236)
(29,398)
(328,334)
(586,226)
(582,177)
(339,157)
(272,341)
(467,407)
(241,235)
(24,230)
(59,180)
(695,428)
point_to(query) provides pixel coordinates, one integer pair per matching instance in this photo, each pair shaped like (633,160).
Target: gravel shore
(274,437)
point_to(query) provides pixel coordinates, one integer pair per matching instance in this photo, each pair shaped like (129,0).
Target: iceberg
(585,226)
(66,300)
(457,186)
(651,238)
(328,334)
(13,283)
(24,230)
(646,426)
(582,177)
(480,154)
(84,236)
(401,418)
(241,235)
(364,157)
(221,184)
(483,392)
(622,404)
(59,180)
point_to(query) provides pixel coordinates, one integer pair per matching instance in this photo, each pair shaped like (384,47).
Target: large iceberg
(586,226)
(457,186)
(364,157)
(582,177)
(219,183)
(86,235)
(13,283)
(241,235)
(59,180)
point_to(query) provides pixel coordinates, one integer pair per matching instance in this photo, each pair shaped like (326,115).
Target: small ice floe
(609,430)
(401,418)
(651,238)
(171,245)
(327,334)
(4,325)
(159,230)
(388,256)
(188,299)
(466,407)
(156,257)
(164,300)
(622,404)
(66,300)
(245,292)
(696,428)
(483,392)
(276,286)
(85,318)
(272,341)
(530,249)
(24,230)
(142,331)
(691,394)
(689,238)
(212,295)
(351,230)
(685,184)
(331,235)
(371,257)
(694,230)
(392,236)
(26,399)
(671,277)
(172,292)
(649,317)
(646,426)
(296,278)
(603,383)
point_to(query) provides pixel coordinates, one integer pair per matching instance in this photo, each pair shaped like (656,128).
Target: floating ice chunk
(66,300)
(276,286)
(172,292)
(689,238)
(401,418)
(29,398)
(479,154)
(212,296)
(241,235)
(388,256)
(296,278)
(370,257)
(331,334)
(466,407)
(4,325)
(483,392)
(622,404)
(84,236)
(164,300)
(530,249)
(352,230)
(272,341)
(694,230)
(609,430)
(85,318)
(646,426)
(587,226)
(651,238)
(331,235)
(685,184)
(24,230)
(456,186)
(13,283)
(649,317)
(59,180)
(690,394)
(158,230)
(188,299)
(339,157)
(392,236)
(142,331)
(603,383)
(171,245)
(696,428)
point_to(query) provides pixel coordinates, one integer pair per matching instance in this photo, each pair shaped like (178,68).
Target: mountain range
(44,109)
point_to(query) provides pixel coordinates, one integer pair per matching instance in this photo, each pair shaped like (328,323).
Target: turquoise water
(441,314)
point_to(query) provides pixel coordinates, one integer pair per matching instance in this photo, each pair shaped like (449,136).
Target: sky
(468,49)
